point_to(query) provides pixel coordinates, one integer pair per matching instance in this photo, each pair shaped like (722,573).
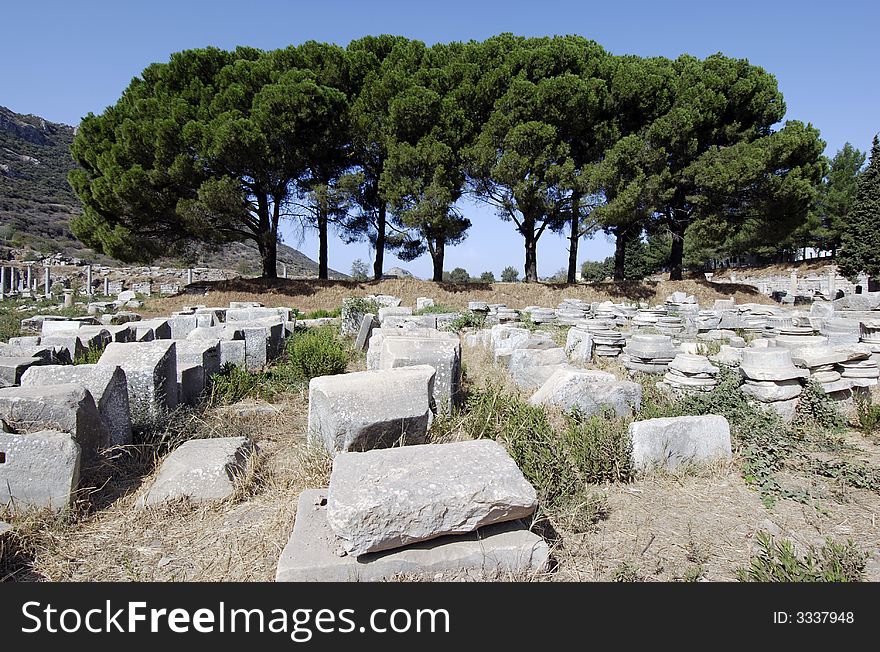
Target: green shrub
(815,409)
(868,414)
(778,562)
(234,384)
(317,314)
(559,464)
(466,320)
(315,352)
(91,356)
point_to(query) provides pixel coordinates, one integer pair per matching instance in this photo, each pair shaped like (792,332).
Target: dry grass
(314,295)
(239,539)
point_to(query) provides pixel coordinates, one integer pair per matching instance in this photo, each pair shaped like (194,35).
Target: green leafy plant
(466,320)
(815,409)
(315,352)
(868,414)
(777,561)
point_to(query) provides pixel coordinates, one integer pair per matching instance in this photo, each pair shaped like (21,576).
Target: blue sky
(62,60)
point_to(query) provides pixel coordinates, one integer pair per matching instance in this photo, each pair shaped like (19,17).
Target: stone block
(106,383)
(589,392)
(385,499)
(371,409)
(444,355)
(12,369)
(67,408)
(492,552)
(39,470)
(670,442)
(151,371)
(202,470)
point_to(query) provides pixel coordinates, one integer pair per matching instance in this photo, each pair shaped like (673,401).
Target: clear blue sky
(63,59)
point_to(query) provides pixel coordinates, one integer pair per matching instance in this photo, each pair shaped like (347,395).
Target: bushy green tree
(860,237)
(836,197)
(459,275)
(487,277)
(206,148)
(509,274)
(359,270)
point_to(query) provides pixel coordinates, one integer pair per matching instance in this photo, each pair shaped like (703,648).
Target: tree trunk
(268,247)
(438,255)
(323,267)
(531,245)
(379,264)
(574,237)
(676,258)
(621,234)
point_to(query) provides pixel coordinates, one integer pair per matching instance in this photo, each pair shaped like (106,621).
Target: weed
(91,356)
(626,572)
(467,319)
(816,410)
(313,353)
(560,464)
(778,562)
(868,414)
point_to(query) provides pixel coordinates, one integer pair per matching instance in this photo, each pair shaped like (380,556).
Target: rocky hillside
(36,202)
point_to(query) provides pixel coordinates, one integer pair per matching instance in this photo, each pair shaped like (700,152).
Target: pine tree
(860,238)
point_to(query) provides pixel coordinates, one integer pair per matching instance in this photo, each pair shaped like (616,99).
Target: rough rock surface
(312,552)
(386,499)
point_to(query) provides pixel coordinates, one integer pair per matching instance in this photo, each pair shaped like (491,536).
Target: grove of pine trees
(378,141)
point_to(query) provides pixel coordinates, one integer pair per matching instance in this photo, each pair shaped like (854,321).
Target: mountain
(37,203)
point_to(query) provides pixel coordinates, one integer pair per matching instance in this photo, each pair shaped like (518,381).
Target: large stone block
(205,353)
(67,408)
(385,499)
(13,368)
(579,345)
(182,325)
(371,409)
(531,368)
(106,383)
(39,469)
(589,392)
(233,352)
(152,329)
(263,341)
(311,553)
(669,442)
(257,314)
(69,343)
(151,370)
(203,470)
(444,355)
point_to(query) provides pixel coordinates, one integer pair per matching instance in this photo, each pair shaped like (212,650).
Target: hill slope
(36,202)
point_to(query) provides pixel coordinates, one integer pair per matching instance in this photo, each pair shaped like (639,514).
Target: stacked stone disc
(607,342)
(861,373)
(691,373)
(647,318)
(869,335)
(541,315)
(838,369)
(649,353)
(670,325)
(571,311)
(771,379)
(707,320)
(840,330)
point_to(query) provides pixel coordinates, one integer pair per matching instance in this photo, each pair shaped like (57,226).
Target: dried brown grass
(308,295)
(239,539)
